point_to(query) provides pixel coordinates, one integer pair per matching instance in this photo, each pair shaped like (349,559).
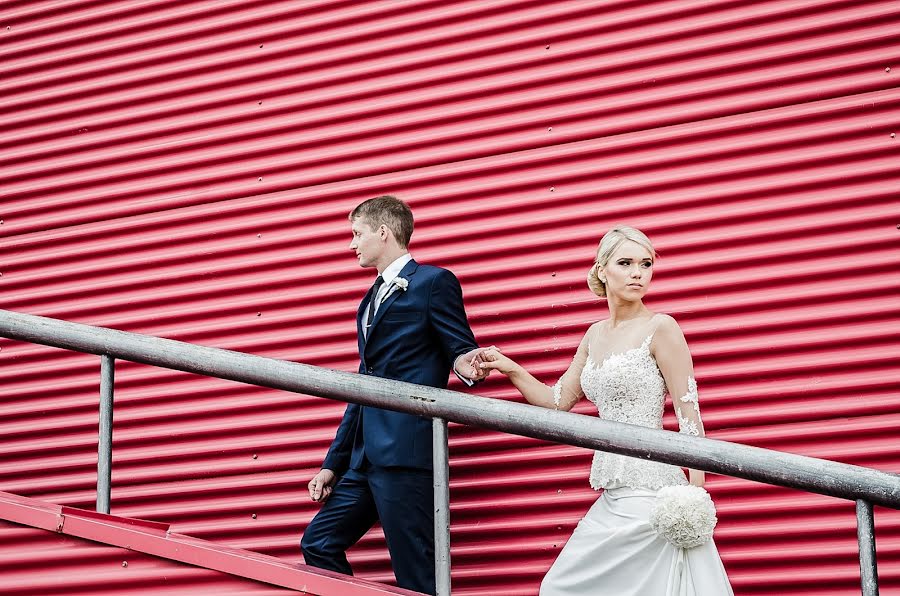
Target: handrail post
(104,444)
(441,465)
(865,533)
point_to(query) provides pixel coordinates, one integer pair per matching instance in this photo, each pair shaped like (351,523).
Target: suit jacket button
(370,370)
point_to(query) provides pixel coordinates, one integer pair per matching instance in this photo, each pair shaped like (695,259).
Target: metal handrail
(863,485)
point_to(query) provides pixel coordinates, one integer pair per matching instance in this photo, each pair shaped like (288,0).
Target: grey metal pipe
(865,533)
(441,465)
(104,445)
(741,461)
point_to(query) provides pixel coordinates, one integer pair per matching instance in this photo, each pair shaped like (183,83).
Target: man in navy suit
(411,326)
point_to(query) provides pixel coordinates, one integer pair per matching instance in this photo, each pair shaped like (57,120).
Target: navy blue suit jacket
(416,336)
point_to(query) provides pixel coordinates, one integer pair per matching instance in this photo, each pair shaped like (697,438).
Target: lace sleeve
(557,393)
(687,408)
(674,359)
(567,390)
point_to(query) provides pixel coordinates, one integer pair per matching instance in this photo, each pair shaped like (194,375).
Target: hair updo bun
(594,283)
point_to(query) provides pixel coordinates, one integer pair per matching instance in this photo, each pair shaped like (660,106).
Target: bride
(625,365)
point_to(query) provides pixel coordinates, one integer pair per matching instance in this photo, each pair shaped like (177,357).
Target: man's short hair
(389,211)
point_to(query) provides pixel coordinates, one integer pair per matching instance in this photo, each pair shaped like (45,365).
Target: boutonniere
(399,282)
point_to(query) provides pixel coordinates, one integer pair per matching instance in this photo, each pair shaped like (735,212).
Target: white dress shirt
(388,275)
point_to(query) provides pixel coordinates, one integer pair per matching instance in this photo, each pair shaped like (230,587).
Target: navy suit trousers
(402,499)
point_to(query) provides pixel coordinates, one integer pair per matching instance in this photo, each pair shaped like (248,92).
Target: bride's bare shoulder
(661,318)
(664,321)
(593,332)
(597,328)
(667,332)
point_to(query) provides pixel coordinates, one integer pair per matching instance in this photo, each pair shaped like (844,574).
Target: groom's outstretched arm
(449,321)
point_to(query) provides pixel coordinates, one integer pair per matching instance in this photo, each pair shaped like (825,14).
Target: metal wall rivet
(253,515)
(124,563)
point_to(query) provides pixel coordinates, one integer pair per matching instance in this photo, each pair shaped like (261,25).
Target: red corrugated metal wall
(185,170)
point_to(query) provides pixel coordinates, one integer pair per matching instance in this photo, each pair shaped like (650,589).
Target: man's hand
(492,358)
(321,485)
(467,365)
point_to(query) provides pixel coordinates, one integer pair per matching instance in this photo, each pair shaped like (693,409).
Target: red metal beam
(154,538)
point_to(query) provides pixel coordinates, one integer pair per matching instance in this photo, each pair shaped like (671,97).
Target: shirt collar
(393,270)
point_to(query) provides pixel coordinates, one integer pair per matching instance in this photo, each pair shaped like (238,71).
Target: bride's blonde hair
(611,241)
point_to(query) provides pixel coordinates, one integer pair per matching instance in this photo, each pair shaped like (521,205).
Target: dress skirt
(615,552)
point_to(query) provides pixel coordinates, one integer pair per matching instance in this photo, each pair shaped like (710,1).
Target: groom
(411,326)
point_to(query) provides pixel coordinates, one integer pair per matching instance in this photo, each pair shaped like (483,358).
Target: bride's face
(628,272)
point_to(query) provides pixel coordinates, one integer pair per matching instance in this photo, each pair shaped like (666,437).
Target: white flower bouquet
(684,515)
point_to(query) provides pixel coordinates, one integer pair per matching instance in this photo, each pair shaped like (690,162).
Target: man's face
(368,244)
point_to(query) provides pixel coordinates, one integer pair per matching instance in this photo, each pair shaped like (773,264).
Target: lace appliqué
(628,387)
(557,394)
(686,425)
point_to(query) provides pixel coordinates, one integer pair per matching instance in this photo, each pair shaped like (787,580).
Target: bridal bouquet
(683,515)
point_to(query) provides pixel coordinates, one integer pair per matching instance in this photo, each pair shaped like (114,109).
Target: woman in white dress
(625,365)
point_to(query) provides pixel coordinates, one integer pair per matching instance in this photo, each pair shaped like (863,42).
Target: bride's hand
(493,359)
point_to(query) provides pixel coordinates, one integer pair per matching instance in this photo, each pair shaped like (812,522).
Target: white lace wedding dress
(614,551)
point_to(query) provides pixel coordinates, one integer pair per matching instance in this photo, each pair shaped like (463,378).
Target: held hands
(322,485)
(467,365)
(493,359)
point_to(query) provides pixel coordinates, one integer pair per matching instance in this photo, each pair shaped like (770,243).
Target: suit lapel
(407,272)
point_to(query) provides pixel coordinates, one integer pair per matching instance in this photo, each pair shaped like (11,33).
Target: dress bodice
(629,387)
